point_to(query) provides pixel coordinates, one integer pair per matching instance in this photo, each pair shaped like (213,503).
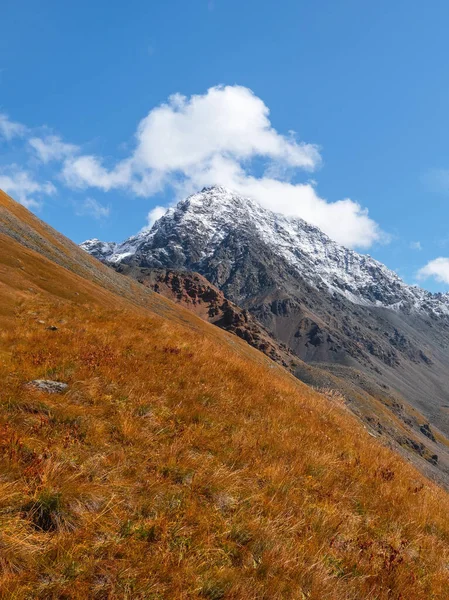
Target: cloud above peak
(222,137)
(226,121)
(225,137)
(186,135)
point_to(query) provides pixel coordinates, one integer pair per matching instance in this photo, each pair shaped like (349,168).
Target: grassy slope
(183,464)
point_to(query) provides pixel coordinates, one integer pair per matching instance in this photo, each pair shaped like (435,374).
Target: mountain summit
(218,225)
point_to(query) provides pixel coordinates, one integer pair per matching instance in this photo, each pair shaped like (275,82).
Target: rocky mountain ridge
(189,235)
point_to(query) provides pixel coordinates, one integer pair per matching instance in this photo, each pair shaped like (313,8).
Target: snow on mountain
(98,248)
(187,235)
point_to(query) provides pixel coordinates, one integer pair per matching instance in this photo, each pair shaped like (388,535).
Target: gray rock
(425,429)
(49,386)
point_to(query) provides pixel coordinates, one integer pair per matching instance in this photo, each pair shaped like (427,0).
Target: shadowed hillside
(180,462)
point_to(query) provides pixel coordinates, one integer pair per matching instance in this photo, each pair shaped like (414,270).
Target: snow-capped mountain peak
(218,224)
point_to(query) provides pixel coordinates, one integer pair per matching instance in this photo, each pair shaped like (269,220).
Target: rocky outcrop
(48,386)
(198,295)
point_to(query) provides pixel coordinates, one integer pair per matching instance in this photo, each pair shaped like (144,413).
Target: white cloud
(51,148)
(92,208)
(10,129)
(178,136)
(22,187)
(156,213)
(437,268)
(215,138)
(87,171)
(416,245)
(226,121)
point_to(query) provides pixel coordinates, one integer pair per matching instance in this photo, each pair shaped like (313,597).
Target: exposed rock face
(328,305)
(197,294)
(425,429)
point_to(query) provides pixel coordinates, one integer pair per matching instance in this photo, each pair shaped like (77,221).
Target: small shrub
(47,512)
(149,533)
(240,535)
(214,589)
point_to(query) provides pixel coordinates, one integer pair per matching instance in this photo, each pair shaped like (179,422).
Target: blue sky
(364,86)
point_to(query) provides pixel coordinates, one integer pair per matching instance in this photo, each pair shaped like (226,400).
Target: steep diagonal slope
(19,224)
(182,463)
(328,304)
(386,413)
(204,299)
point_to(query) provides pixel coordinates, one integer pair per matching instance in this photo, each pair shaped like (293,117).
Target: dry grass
(182,464)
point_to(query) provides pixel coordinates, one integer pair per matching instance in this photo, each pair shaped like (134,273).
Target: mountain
(332,307)
(149,454)
(196,233)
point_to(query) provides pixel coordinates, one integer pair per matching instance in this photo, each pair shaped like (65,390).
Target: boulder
(49,386)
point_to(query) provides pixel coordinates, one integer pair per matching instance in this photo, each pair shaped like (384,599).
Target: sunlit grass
(182,464)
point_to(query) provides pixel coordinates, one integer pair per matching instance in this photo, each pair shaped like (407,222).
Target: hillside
(357,325)
(196,294)
(180,462)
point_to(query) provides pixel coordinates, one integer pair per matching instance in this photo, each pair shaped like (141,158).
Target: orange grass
(183,464)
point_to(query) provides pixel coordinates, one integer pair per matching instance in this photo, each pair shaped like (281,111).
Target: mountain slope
(332,307)
(386,413)
(181,463)
(201,297)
